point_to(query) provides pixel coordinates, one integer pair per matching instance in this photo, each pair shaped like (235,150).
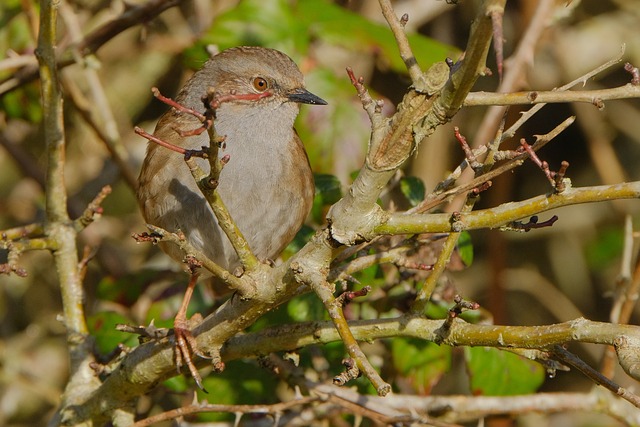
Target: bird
(267,184)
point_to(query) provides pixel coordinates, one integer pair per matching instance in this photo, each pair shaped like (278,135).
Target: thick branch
(151,363)
(59,228)
(391,143)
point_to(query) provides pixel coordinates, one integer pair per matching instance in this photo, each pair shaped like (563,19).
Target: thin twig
(595,97)
(437,198)
(515,68)
(202,408)
(424,294)
(571,359)
(397,28)
(59,228)
(95,40)
(334,308)
(510,132)
(161,235)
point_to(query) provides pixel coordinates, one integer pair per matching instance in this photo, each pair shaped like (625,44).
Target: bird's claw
(185,346)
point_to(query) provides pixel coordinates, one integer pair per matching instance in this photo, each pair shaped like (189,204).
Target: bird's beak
(303,96)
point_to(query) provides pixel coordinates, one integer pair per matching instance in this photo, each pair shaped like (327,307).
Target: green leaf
(305,308)
(278,24)
(328,187)
(465,248)
(241,382)
(329,22)
(301,239)
(605,248)
(328,191)
(23,103)
(495,372)
(102,327)
(413,189)
(255,23)
(422,362)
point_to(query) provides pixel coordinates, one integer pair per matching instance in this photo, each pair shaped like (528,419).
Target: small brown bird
(267,185)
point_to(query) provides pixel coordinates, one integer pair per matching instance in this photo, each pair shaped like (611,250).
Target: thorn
(635,73)
(404,19)
(498,40)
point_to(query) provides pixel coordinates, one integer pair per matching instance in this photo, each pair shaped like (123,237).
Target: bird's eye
(260,84)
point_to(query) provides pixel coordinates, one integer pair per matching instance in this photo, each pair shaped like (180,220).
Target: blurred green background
(576,262)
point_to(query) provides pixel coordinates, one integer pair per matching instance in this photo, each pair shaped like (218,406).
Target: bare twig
(510,132)
(522,57)
(498,38)
(161,235)
(334,308)
(440,196)
(373,108)
(201,408)
(59,228)
(95,40)
(571,359)
(495,217)
(402,41)
(595,97)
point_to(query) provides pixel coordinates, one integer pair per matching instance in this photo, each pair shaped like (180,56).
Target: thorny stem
(506,213)
(397,28)
(569,358)
(334,308)
(439,197)
(595,97)
(201,408)
(58,226)
(424,294)
(208,183)
(95,39)
(510,132)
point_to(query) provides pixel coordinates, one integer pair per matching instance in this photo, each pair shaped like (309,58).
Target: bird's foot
(186,345)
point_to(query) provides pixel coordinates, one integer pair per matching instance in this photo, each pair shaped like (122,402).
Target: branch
(324,291)
(509,133)
(160,235)
(95,40)
(516,63)
(506,213)
(397,28)
(467,409)
(392,142)
(595,97)
(571,359)
(201,408)
(59,228)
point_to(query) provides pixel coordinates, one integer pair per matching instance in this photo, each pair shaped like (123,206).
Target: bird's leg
(185,343)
